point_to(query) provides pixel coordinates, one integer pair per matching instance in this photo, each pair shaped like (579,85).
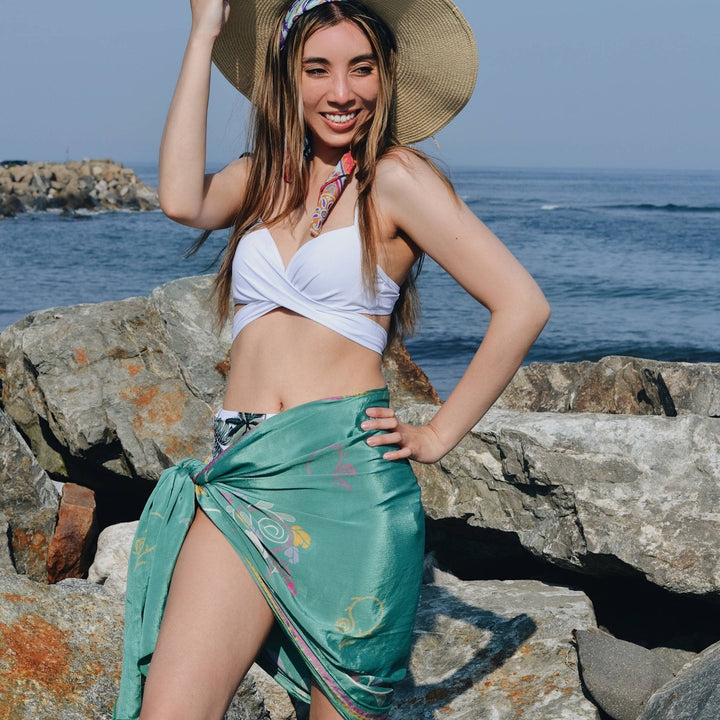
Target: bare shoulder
(408,186)
(401,167)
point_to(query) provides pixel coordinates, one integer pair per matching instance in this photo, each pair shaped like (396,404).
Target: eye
(314,71)
(365,70)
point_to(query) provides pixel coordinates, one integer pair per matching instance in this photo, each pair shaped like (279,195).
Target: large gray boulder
(108,389)
(693,695)
(495,650)
(28,504)
(616,384)
(600,494)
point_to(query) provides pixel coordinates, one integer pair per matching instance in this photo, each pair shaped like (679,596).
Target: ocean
(628,259)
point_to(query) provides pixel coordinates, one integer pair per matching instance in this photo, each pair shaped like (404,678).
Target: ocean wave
(669,207)
(571,351)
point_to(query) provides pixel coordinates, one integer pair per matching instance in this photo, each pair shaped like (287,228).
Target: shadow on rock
(483,641)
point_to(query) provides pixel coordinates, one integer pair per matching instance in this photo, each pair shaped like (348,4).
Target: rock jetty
(71,186)
(587,483)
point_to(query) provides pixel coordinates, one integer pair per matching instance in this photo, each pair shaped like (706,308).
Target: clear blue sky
(562,83)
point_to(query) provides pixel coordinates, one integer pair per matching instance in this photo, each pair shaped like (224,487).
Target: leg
(320,707)
(215,622)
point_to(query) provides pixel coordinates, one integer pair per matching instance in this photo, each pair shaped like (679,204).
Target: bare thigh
(215,622)
(320,707)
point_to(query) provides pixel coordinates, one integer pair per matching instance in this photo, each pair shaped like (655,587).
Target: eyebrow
(370,57)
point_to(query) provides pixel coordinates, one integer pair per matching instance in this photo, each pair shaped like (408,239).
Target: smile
(341,119)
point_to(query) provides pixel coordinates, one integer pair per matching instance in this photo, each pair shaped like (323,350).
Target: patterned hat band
(296,10)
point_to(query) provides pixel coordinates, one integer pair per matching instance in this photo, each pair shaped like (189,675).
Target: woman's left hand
(416,442)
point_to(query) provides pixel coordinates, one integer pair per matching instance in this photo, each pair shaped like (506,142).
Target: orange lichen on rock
(32,544)
(223,367)
(36,652)
(178,447)
(142,397)
(155,405)
(13,598)
(59,650)
(81,356)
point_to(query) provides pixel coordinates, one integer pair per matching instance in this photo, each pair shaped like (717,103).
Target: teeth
(340,118)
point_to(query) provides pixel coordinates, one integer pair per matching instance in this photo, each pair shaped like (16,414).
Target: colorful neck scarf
(331,191)
(296,10)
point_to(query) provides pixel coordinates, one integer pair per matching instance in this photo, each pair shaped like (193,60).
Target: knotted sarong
(332,534)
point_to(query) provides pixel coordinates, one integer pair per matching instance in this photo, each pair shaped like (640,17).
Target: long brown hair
(278,174)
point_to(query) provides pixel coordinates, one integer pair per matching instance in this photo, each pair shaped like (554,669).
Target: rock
(495,649)
(147,198)
(203,355)
(10,205)
(615,384)
(407,381)
(37,181)
(71,185)
(277,704)
(100,393)
(622,676)
(28,500)
(70,552)
(110,565)
(693,695)
(599,494)
(21,173)
(60,649)
(6,563)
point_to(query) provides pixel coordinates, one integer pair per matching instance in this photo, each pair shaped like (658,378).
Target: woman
(300,544)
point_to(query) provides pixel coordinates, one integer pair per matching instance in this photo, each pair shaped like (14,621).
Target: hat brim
(437,57)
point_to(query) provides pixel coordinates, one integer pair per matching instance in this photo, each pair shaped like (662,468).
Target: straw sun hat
(437,57)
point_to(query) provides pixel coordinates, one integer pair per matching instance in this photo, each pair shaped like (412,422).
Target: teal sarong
(333,535)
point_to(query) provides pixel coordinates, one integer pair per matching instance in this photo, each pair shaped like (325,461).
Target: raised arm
(186,193)
(422,206)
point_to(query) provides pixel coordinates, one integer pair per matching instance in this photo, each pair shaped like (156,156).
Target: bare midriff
(283,359)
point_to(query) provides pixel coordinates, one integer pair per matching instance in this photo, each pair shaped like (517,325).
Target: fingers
(380,424)
(381,419)
(380,412)
(394,438)
(401,454)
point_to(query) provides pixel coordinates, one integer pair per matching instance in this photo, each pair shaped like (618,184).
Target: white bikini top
(323,282)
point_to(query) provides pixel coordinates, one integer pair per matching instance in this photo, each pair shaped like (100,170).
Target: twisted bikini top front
(323,282)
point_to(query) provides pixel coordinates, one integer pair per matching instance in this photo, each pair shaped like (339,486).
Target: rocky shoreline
(71,186)
(586,499)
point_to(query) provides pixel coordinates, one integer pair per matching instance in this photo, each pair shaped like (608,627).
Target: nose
(341,92)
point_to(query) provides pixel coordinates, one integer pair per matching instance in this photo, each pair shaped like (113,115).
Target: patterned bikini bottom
(230,424)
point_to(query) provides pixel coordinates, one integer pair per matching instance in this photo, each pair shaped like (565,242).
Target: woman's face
(339,84)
